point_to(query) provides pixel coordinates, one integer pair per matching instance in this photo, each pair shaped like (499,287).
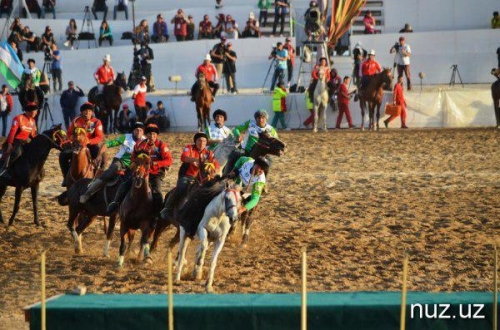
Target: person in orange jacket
(398,99)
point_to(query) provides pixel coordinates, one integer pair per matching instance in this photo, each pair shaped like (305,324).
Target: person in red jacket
(369,68)
(139,96)
(343,97)
(22,130)
(194,157)
(104,75)
(6,106)
(211,76)
(398,99)
(322,66)
(161,159)
(95,135)
(180,21)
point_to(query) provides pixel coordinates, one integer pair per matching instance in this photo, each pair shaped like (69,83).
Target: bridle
(236,195)
(55,135)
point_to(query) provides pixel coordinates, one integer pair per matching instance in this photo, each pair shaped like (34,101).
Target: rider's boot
(91,190)
(119,196)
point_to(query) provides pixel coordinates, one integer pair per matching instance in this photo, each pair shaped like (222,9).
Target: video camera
(274,51)
(47,55)
(396,46)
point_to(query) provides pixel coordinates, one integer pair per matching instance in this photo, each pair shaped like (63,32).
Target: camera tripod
(268,71)
(44,115)
(87,32)
(454,74)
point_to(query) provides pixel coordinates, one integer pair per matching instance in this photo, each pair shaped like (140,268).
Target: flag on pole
(11,67)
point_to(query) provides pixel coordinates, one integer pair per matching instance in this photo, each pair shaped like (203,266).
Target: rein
(59,147)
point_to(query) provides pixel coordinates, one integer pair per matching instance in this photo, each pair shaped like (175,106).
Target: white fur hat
(372,52)
(107,57)
(207,57)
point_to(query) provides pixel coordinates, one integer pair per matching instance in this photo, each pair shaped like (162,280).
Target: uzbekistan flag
(11,67)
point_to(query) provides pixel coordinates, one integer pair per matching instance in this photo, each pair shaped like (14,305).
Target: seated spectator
(17,30)
(32,41)
(252,29)
(180,21)
(126,120)
(190,28)
(164,116)
(100,5)
(5,8)
(205,28)
(47,38)
(49,6)
(142,32)
(71,33)
(33,7)
(369,22)
(17,50)
(406,29)
(495,21)
(160,30)
(105,33)
(231,31)
(120,5)
(220,27)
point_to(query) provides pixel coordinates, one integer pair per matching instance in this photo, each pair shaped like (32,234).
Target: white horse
(220,214)
(320,100)
(224,149)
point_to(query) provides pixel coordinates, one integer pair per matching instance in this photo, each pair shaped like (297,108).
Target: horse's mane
(191,213)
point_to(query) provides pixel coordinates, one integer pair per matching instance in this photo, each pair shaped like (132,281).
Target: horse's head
(141,170)
(27,82)
(232,201)
(79,139)
(207,172)
(201,79)
(121,80)
(271,145)
(386,79)
(58,137)
(495,72)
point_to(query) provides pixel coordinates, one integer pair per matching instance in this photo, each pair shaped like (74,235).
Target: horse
(210,223)
(28,170)
(320,100)
(495,94)
(136,210)
(224,149)
(203,101)
(110,103)
(81,161)
(373,94)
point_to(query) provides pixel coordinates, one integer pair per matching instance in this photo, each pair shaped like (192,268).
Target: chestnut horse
(203,101)
(373,94)
(136,210)
(81,161)
(495,94)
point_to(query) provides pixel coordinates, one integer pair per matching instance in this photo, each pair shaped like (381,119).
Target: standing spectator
(71,31)
(5,8)
(231,31)
(279,105)
(211,76)
(33,7)
(495,21)
(406,29)
(205,28)
(100,5)
(290,62)
(264,6)
(69,99)
(34,71)
(343,98)
(190,28)
(217,55)
(120,5)
(105,33)
(220,27)
(217,131)
(47,39)
(126,119)
(146,57)
(369,22)
(310,107)
(17,50)
(252,29)
(280,11)
(56,67)
(180,25)
(498,57)
(359,54)
(139,96)
(160,30)
(403,52)
(398,99)
(6,106)
(229,69)
(333,87)
(49,6)
(281,57)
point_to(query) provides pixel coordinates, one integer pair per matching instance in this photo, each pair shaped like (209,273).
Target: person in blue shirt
(56,67)
(280,55)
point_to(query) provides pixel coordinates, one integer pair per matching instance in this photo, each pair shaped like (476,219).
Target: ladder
(318,49)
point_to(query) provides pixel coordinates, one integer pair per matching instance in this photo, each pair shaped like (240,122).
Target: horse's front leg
(184,242)
(378,117)
(218,245)
(362,105)
(109,234)
(123,245)
(200,254)
(3,189)
(18,194)
(371,110)
(246,223)
(315,125)
(200,119)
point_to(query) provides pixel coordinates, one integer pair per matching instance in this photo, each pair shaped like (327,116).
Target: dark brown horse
(495,94)
(203,101)
(81,161)
(28,170)
(136,210)
(110,102)
(373,95)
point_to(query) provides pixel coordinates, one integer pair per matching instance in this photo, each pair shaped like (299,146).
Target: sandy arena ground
(356,200)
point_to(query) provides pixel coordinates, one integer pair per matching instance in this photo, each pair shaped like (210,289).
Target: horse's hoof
(209,289)
(148,260)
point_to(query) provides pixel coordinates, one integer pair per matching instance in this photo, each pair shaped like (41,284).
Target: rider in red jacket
(210,72)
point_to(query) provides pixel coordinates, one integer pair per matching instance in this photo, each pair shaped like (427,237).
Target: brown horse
(373,94)
(203,101)
(81,161)
(495,94)
(109,104)
(136,210)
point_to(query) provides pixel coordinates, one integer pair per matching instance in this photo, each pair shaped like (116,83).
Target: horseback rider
(95,135)
(161,159)
(217,131)
(250,174)
(194,157)
(211,76)
(104,75)
(320,68)
(22,130)
(369,68)
(121,161)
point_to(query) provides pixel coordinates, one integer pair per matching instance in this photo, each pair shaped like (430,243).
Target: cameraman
(217,55)
(56,68)
(280,55)
(229,69)
(402,59)
(313,21)
(146,57)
